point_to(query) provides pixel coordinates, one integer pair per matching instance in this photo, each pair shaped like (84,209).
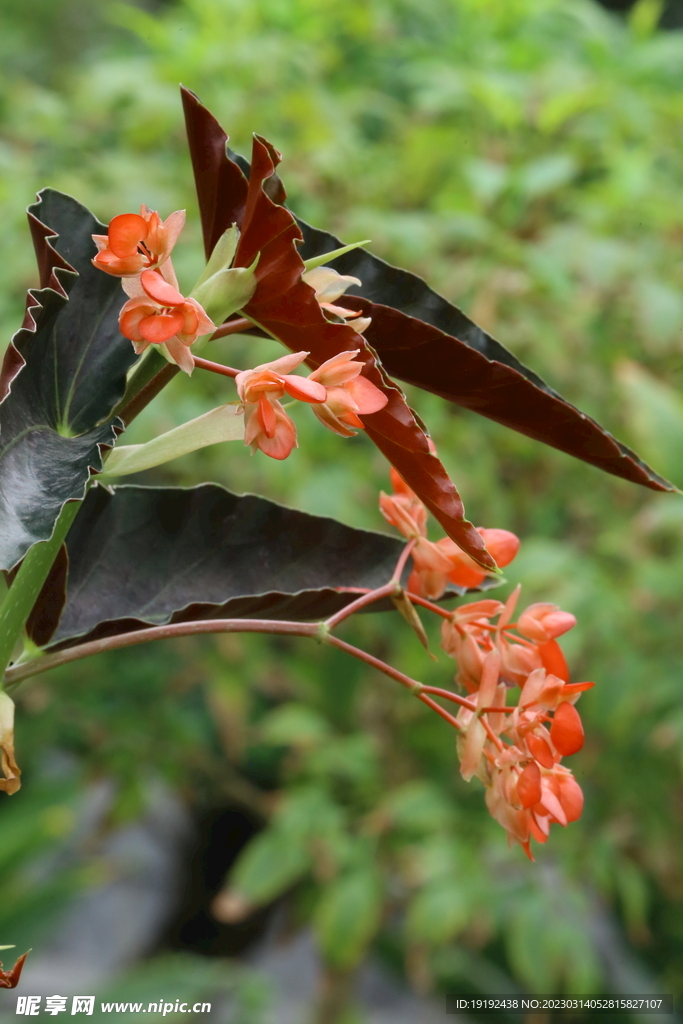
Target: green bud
(222,290)
(225,423)
(320,261)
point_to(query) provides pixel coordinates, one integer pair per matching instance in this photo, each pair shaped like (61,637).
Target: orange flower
(268,428)
(407,513)
(436,563)
(349,393)
(543,622)
(459,568)
(157,314)
(137,242)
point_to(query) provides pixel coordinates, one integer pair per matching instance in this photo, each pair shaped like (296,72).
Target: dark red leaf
(286,308)
(419,336)
(429,358)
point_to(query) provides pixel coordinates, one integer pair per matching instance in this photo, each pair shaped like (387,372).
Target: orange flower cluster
(137,248)
(438,563)
(336,392)
(516,750)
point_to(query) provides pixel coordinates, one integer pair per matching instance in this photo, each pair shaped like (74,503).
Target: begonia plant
(95,565)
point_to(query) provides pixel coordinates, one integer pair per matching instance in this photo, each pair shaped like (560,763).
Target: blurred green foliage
(525,156)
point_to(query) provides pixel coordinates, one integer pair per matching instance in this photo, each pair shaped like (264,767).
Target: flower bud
(11,772)
(543,622)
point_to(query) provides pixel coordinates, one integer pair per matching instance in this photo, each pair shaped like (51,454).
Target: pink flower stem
(313,630)
(439,710)
(416,688)
(491,734)
(142,636)
(361,602)
(400,565)
(206,364)
(430,606)
(232,327)
(448,695)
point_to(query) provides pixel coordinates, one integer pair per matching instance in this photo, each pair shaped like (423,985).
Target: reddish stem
(361,602)
(370,659)
(439,710)
(206,364)
(424,603)
(449,695)
(142,636)
(400,565)
(232,327)
(491,734)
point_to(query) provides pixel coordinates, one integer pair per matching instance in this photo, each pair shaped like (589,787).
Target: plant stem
(365,599)
(28,583)
(400,565)
(16,675)
(232,327)
(45,662)
(430,606)
(142,374)
(448,695)
(206,364)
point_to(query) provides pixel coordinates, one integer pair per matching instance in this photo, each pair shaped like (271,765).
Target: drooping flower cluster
(438,563)
(516,750)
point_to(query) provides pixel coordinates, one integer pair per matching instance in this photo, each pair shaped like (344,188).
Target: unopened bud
(11,781)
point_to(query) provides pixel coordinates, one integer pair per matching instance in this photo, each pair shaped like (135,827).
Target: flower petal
(529,785)
(160,290)
(132,312)
(160,327)
(125,231)
(566,730)
(180,354)
(367,397)
(285,364)
(303,388)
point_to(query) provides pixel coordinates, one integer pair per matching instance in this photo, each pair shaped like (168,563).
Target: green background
(525,157)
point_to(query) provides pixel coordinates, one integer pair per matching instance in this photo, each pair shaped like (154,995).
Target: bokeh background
(526,157)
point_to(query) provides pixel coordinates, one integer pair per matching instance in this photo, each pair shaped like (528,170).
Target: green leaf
(294,725)
(438,912)
(320,261)
(62,376)
(268,866)
(418,807)
(348,917)
(225,423)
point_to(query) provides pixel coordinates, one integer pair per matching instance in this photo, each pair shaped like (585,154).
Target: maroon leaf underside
(286,307)
(460,362)
(421,354)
